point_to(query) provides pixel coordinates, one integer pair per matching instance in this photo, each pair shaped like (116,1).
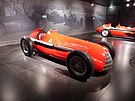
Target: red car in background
(83,58)
(108,30)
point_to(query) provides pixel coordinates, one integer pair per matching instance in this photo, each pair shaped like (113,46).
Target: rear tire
(80,65)
(27,46)
(109,47)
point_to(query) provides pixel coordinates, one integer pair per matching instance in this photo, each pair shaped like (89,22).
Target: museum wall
(112,15)
(67,16)
(121,14)
(127,17)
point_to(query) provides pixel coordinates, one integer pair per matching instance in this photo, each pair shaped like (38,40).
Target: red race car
(83,58)
(108,30)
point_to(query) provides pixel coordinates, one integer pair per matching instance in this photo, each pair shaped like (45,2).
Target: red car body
(108,30)
(60,46)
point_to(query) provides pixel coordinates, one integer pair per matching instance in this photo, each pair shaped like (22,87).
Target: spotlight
(128,0)
(127,5)
(44,16)
(111,5)
(92,4)
(134,4)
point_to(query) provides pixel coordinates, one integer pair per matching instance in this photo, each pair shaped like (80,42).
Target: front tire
(27,46)
(109,47)
(80,65)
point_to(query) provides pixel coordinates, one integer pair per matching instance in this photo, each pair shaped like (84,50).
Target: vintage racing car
(83,58)
(108,30)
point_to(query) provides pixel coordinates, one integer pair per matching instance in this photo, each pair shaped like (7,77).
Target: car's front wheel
(80,65)
(105,33)
(26,46)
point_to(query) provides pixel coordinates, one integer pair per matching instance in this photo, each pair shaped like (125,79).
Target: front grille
(108,61)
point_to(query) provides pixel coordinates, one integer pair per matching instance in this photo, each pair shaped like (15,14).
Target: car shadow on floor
(96,75)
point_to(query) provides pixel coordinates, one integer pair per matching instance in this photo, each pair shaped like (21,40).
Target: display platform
(43,78)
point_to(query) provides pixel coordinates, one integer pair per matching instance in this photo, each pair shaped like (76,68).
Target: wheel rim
(25,46)
(105,32)
(78,65)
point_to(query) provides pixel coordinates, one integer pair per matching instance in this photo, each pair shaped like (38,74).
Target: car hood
(96,51)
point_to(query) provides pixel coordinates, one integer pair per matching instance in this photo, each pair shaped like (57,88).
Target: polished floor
(43,78)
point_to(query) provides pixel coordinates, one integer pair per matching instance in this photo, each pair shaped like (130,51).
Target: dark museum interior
(27,74)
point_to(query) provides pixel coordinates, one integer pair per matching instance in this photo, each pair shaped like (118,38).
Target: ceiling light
(134,4)
(128,0)
(92,4)
(127,5)
(111,5)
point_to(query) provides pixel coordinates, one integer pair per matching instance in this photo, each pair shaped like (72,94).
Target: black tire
(27,46)
(109,47)
(75,61)
(105,33)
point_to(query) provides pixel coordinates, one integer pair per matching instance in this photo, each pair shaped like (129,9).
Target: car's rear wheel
(105,33)
(80,65)
(109,47)
(26,46)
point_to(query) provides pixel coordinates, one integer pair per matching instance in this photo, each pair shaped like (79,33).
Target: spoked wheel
(105,32)
(27,46)
(80,65)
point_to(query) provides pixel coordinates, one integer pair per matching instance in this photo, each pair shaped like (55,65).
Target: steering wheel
(41,34)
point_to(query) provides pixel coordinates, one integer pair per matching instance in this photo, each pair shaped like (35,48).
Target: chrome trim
(42,42)
(51,46)
(108,62)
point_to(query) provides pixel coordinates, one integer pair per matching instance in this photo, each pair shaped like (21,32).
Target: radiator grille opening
(108,61)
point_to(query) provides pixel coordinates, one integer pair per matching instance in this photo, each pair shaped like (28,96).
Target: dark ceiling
(108,2)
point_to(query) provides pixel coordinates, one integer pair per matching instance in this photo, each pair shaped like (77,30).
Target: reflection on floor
(43,78)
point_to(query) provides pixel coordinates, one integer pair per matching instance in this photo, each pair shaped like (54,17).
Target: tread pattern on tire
(30,51)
